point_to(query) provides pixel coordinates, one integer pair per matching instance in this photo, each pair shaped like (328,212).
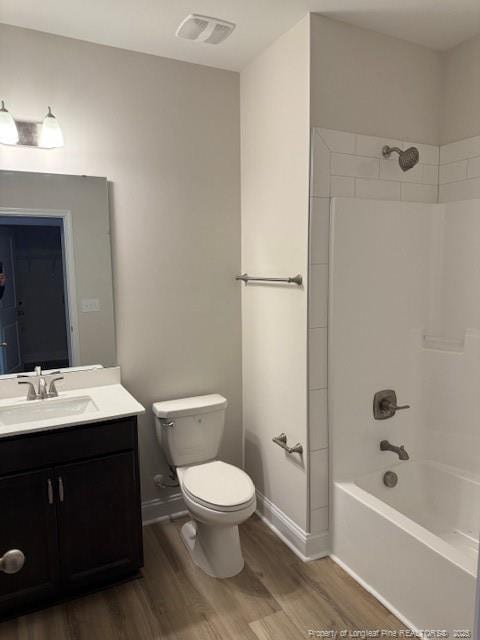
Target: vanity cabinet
(97,518)
(28,523)
(70,502)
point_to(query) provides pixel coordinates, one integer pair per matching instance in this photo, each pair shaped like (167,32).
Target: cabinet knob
(12,561)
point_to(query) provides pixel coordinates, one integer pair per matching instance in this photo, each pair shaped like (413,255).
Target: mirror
(56,296)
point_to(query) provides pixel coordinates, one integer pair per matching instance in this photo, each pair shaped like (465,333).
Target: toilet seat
(216,507)
(217,485)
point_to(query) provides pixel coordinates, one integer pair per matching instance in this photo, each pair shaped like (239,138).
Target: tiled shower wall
(460,170)
(350,165)
(345,164)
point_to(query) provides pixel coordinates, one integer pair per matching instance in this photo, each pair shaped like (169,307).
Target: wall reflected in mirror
(56,297)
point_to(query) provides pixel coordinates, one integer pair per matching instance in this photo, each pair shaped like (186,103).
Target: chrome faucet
(42,384)
(400,451)
(43,390)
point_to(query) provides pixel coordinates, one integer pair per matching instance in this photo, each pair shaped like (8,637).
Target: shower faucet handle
(385,404)
(394,407)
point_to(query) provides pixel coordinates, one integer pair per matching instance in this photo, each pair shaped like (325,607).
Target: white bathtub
(415,546)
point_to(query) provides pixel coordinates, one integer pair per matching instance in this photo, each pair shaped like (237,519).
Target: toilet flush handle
(167,422)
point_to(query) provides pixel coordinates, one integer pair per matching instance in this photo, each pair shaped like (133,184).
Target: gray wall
(369,83)
(166,134)
(461,92)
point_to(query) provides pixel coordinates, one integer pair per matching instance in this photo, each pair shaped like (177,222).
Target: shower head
(406,159)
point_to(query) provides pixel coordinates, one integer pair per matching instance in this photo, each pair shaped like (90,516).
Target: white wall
(275,164)
(451,363)
(373,84)
(166,135)
(379,305)
(460,101)
(456,306)
(412,325)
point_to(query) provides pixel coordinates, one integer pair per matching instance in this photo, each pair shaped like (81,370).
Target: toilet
(218,496)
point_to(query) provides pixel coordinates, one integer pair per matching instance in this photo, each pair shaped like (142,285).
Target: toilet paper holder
(281,440)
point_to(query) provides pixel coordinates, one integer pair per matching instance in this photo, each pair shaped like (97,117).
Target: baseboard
(388,605)
(307,546)
(164,508)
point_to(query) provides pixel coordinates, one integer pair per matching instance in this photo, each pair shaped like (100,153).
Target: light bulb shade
(51,135)
(8,128)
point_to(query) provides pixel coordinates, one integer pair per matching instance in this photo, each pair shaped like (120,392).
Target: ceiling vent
(205,29)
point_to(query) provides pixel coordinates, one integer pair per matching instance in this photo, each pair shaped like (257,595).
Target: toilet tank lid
(189,406)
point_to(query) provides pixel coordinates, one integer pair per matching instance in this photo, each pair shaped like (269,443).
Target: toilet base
(215,549)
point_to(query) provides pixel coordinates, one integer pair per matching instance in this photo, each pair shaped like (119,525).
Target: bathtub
(414,546)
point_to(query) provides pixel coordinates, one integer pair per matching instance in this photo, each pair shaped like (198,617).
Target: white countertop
(113,401)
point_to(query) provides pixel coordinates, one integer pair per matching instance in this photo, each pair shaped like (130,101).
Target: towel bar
(298,280)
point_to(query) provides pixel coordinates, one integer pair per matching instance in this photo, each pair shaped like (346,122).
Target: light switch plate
(90,304)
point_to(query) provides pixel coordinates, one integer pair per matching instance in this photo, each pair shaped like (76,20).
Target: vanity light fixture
(51,135)
(45,135)
(8,127)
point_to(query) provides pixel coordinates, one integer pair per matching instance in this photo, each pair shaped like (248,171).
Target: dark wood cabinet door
(99,519)
(28,523)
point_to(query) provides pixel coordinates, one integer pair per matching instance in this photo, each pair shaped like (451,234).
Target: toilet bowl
(218,496)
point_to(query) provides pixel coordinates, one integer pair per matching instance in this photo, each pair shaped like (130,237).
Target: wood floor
(276,597)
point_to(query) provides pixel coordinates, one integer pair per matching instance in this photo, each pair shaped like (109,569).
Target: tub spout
(400,451)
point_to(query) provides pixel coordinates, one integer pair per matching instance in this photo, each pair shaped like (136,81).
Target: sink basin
(50,409)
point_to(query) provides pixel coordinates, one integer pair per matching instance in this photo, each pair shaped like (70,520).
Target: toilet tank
(190,429)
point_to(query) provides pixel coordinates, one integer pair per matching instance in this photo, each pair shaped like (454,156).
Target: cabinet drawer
(33,451)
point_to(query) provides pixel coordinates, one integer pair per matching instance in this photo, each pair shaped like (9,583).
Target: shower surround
(402,317)
(346,164)
(427,349)
(351,165)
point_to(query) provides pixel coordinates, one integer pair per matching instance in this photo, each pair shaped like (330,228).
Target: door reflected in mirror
(34,310)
